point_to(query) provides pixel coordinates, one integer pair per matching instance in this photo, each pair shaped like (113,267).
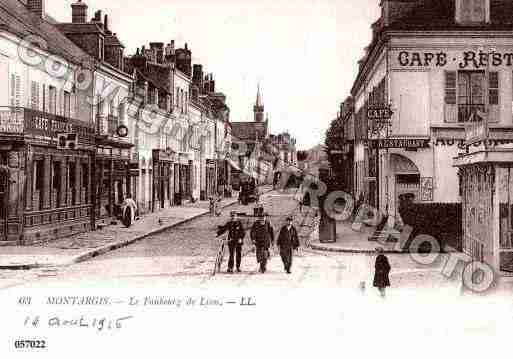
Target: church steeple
(258,109)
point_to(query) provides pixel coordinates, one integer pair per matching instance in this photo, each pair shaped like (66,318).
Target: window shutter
(493,95)
(13,90)
(18,92)
(34,95)
(451,108)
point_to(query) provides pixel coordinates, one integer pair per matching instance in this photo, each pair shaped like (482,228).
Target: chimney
(106,24)
(37,7)
(197,74)
(394,10)
(170,52)
(158,51)
(79,12)
(98,18)
(212,84)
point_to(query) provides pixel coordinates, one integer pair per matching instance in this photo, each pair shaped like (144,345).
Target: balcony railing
(21,121)
(466,112)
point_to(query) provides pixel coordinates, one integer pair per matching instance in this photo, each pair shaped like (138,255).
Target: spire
(259,102)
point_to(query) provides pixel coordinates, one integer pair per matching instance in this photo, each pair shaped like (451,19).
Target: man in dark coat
(382,270)
(262,236)
(288,241)
(236,235)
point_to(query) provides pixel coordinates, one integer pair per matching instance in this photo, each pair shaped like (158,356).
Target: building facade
(115,163)
(438,65)
(47,139)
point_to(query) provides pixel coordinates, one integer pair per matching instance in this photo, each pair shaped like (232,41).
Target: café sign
(11,121)
(381,113)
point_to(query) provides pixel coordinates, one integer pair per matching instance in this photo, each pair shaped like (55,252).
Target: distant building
(252,138)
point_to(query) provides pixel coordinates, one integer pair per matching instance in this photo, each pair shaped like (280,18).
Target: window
(473,11)
(52,100)
(44,107)
(67,104)
(34,95)
(465,96)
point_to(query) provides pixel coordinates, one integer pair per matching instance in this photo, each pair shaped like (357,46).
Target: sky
(303,53)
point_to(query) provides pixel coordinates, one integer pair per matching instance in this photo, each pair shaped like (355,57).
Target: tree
(334,143)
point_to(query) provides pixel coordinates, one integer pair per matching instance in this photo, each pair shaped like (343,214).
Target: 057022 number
(29,344)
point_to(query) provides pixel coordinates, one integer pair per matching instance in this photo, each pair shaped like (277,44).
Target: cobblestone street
(184,256)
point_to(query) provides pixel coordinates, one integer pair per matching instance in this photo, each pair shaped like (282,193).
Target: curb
(112,246)
(107,248)
(327,248)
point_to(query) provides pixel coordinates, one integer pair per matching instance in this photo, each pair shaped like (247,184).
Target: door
(4,200)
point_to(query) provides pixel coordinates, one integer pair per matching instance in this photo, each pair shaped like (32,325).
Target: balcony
(19,121)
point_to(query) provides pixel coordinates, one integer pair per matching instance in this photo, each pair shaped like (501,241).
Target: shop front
(487,186)
(45,176)
(183,178)
(114,178)
(164,164)
(210,169)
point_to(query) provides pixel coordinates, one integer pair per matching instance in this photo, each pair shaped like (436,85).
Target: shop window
(85,181)
(72,181)
(467,95)
(56,183)
(39,167)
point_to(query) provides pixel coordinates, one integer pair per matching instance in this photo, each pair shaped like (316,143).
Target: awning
(233,164)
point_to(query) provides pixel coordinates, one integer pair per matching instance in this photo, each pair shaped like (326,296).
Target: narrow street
(184,256)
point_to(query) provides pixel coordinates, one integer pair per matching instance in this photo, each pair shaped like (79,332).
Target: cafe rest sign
(454,59)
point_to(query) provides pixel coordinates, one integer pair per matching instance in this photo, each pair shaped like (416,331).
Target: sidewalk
(83,246)
(351,241)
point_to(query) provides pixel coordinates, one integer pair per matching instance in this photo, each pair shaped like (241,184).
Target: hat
(379,249)
(289,218)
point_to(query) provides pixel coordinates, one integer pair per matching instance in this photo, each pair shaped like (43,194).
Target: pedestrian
(288,241)
(128,210)
(236,235)
(262,236)
(382,270)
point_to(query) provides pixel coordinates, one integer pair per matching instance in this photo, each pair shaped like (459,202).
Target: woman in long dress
(382,270)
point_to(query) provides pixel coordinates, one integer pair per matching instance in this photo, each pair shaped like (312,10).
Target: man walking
(236,235)
(288,241)
(262,236)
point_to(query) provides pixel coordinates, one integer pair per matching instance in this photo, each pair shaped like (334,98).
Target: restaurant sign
(400,142)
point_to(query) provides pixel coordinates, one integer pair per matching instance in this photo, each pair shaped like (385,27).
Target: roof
(249,130)
(17,19)
(437,15)
(440,15)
